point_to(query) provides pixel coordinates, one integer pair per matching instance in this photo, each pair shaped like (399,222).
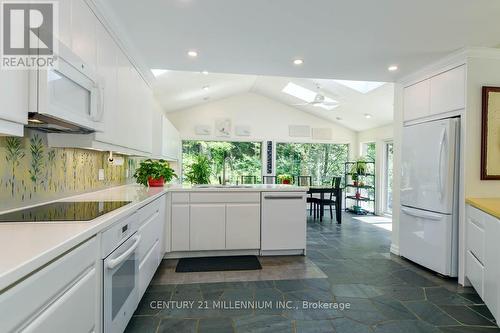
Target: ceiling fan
(320,100)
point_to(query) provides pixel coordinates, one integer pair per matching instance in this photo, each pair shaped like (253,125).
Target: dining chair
(303,180)
(268,179)
(248,179)
(331,201)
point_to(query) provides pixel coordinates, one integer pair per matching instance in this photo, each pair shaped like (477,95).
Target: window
(228,159)
(370,151)
(389,155)
(321,161)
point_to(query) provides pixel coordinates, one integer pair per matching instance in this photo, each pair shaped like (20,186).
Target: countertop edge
(490,206)
(26,268)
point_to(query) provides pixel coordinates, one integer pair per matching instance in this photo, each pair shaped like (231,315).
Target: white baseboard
(394,249)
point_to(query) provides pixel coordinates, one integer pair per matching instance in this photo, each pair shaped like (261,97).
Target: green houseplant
(154,173)
(285,179)
(199,171)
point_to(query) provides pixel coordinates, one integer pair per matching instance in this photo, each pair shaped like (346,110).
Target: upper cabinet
(417,100)
(448,91)
(83,33)
(166,138)
(65,35)
(442,93)
(13,101)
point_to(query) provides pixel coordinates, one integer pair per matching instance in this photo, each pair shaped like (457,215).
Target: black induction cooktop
(64,211)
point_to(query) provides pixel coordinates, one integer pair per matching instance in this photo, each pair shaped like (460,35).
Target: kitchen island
(211,220)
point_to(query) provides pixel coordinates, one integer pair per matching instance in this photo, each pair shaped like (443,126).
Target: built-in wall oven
(67,97)
(120,274)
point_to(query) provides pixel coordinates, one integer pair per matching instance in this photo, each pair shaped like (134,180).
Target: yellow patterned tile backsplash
(31,172)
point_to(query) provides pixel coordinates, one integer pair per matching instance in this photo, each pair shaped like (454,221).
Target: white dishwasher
(284,219)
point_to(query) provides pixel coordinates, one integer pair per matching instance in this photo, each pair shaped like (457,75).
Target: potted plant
(355,178)
(154,173)
(199,171)
(361,166)
(285,179)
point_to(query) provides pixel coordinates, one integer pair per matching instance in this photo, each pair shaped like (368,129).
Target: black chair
(331,201)
(269,179)
(248,179)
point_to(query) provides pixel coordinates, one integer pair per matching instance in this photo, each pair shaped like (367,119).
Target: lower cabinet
(482,266)
(207,227)
(215,221)
(242,231)
(61,297)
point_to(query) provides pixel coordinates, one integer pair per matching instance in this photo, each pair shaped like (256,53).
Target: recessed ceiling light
(368,116)
(204,72)
(192,53)
(298,61)
(206,88)
(392,68)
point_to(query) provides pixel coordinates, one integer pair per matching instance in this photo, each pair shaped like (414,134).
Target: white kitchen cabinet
(243,226)
(170,140)
(447,91)
(61,297)
(482,266)
(207,227)
(74,311)
(65,35)
(492,265)
(416,100)
(13,101)
(83,33)
(180,227)
(107,71)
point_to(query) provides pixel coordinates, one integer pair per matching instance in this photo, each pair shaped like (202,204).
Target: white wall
(268,120)
(380,136)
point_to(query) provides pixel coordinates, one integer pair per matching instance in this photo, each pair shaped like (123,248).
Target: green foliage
(155,170)
(199,171)
(285,177)
(231,159)
(14,156)
(36,150)
(321,161)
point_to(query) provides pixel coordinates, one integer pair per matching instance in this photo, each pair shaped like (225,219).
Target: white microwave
(66,98)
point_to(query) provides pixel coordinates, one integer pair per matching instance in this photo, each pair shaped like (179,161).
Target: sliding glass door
(389,154)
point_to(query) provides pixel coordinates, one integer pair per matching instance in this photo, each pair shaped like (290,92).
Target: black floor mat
(213,264)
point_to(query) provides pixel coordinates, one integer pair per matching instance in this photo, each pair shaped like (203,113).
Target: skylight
(158,72)
(308,96)
(363,87)
(299,92)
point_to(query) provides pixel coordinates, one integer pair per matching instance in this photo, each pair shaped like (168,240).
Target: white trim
(394,249)
(11,128)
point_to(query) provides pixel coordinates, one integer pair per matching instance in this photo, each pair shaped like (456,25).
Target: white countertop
(27,246)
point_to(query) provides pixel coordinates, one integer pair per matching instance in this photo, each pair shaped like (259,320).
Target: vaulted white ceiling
(177,90)
(354,39)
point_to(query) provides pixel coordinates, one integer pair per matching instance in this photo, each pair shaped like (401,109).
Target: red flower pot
(156,182)
(286,181)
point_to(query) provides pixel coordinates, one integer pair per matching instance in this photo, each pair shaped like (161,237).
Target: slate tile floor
(386,294)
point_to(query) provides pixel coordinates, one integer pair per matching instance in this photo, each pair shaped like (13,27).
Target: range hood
(48,124)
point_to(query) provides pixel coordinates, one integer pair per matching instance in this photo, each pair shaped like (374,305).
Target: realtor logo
(28,34)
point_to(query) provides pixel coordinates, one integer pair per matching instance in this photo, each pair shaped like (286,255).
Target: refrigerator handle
(440,166)
(422,214)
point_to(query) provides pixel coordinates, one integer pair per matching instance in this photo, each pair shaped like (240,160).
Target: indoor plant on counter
(154,173)
(285,179)
(199,171)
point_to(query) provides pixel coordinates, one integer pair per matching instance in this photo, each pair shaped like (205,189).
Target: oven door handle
(117,261)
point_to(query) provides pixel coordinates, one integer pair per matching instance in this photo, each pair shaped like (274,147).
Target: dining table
(337,193)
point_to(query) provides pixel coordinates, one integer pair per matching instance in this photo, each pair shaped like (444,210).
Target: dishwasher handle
(284,197)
